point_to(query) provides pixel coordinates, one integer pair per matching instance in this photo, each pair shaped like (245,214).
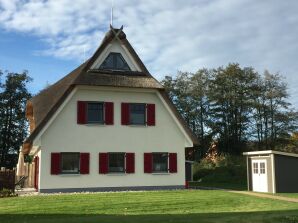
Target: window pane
(262,168)
(114,61)
(95,112)
(116,162)
(121,64)
(108,62)
(70,162)
(137,114)
(160,162)
(255,168)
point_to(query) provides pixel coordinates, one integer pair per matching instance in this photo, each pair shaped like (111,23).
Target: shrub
(223,168)
(7,193)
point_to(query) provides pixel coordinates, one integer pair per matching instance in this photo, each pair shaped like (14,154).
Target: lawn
(221,185)
(163,206)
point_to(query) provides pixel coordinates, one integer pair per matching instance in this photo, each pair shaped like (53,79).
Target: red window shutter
(84,163)
(103,163)
(150,114)
(130,162)
(81,112)
(109,113)
(173,162)
(55,163)
(125,113)
(147,162)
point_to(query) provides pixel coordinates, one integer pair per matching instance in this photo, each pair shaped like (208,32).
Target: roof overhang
(268,152)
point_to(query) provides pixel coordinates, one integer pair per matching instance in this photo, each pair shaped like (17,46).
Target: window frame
(114,58)
(130,114)
(124,163)
(103,112)
(168,162)
(61,163)
(255,167)
(262,168)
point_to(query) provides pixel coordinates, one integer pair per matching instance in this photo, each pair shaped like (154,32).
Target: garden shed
(272,171)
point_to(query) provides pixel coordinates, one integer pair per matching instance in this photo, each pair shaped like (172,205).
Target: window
(95,112)
(262,168)
(255,168)
(70,163)
(116,162)
(114,61)
(137,114)
(160,162)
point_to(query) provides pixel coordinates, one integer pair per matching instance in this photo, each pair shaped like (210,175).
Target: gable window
(116,162)
(70,163)
(95,112)
(160,162)
(114,61)
(137,114)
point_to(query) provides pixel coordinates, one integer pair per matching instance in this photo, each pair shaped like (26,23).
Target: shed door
(259,176)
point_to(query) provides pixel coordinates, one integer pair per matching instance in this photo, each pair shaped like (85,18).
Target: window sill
(116,174)
(69,174)
(95,124)
(143,126)
(161,173)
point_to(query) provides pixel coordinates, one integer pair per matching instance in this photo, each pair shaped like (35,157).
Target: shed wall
(286,174)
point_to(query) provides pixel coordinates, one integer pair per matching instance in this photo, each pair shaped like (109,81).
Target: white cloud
(169,35)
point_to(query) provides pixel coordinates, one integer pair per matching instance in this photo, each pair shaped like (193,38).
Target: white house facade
(108,125)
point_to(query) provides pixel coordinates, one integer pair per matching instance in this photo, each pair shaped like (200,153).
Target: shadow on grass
(239,217)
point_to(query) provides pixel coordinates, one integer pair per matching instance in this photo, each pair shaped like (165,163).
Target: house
(107,125)
(272,171)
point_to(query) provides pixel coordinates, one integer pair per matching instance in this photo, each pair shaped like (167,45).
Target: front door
(259,176)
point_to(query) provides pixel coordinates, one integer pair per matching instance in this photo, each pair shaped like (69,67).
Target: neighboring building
(108,125)
(272,171)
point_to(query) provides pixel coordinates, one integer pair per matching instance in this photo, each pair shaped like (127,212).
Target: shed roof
(268,152)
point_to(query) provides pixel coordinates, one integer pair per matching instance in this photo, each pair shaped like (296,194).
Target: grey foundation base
(106,189)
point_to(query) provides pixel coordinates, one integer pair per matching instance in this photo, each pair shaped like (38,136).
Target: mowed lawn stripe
(162,206)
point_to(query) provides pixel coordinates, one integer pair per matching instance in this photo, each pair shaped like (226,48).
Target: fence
(7,179)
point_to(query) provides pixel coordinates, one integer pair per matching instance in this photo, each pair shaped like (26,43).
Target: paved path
(250,193)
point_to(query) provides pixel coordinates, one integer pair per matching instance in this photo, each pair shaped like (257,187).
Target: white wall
(65,135)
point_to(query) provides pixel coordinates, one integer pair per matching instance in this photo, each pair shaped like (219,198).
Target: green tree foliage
(13,124)
(237,107)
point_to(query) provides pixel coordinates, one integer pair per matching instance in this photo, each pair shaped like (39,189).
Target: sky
(51,38)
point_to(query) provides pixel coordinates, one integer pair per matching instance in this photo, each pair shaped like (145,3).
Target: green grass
(221,185)
(292,195)
(163,206)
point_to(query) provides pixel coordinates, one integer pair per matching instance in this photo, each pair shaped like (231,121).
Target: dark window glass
(95,112)
(116,162)
(114,61)
(137,114)
(70,162)
(160,162)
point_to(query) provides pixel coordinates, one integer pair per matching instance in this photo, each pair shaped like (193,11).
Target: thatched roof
(44,105)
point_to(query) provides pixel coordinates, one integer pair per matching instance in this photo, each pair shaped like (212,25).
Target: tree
(230,96)
(274,118)
(13,124)
(236,107)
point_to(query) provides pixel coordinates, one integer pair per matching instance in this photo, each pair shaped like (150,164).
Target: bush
(7,193)
(223,169)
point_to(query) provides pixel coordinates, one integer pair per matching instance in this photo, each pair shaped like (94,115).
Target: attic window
(114,61)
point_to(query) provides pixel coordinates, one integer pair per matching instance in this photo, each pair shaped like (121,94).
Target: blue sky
(48,38)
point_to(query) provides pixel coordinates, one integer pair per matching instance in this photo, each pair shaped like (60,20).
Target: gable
(43,106)
(115,47)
